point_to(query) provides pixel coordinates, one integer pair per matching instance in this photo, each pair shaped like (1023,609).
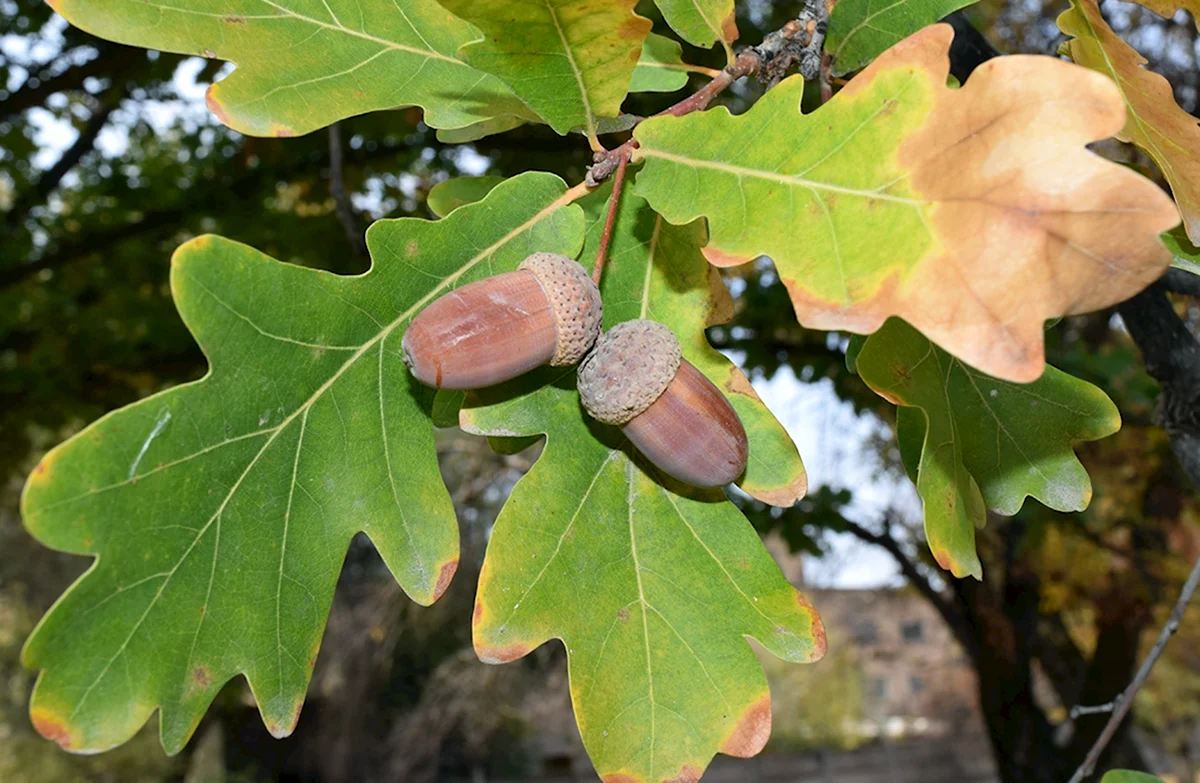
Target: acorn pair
(634,376)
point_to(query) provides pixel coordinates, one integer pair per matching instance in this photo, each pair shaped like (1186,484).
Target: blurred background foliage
(108,160)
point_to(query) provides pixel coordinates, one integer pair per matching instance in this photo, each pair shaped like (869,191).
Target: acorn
(637,379)
(492,330)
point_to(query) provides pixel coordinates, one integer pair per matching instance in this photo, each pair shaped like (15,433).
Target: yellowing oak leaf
(571,61)
(975,214)
(1155,122)
(1167,8)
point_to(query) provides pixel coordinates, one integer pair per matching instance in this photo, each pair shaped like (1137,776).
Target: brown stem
(613,202)
(1125,700)
(798,41)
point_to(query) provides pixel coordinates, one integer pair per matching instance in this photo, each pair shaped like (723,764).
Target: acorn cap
(575,300)
(630,368)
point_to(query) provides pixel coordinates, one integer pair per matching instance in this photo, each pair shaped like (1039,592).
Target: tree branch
(946,608)
(337,187)
(110,60)
(50,180)
(1178,281)
(1172,357)
(1125,701)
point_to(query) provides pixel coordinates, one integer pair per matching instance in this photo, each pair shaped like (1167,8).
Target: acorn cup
(492,330)
(637,379)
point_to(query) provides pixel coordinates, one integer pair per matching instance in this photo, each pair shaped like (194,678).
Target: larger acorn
(492,330)
(637,379)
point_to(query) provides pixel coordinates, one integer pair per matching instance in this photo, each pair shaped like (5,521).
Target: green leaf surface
(650,591)
(977,442)
(903,197)
(571,61)
(1185,255)
(661,67)
(861,30)
(1128,776)
(218,512)
(303,65)
(701,22)
(450,194)
(656,270)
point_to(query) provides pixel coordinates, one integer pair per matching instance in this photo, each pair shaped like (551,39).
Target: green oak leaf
(976,442)
(652,593)
(656,270)
(1185,255)
(570,61)
(448,195)
(302,66)
(860,30)
(902,197)
(702,22)
(218,512)
(661,67)
(1128,776)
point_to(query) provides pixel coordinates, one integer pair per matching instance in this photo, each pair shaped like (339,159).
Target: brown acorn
(492,330)
(637,379)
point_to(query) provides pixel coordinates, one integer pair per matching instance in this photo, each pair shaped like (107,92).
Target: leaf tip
(52,727)
(752,731)
(445,575)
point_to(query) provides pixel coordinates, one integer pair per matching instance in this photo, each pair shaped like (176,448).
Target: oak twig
(613,203)
(798,41)
(1123,702)
(337,189)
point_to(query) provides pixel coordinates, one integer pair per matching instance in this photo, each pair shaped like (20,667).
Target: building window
(916,685)
(876,689)
(913,631)
(866,632)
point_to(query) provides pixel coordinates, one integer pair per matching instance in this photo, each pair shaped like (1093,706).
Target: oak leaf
(702,22)
(1155,122)
(570,61)
(301,68)
(218,512)
(972,442)
(652,590)
(974,213)
(860,30)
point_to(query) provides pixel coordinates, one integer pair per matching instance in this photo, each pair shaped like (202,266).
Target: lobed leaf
(1155,122)
(304,65)
(1167,8)
(702,22)
(973,441)
(656,270)
(975,213)
(651,591)
(218,512)
(570,61)
(861,30)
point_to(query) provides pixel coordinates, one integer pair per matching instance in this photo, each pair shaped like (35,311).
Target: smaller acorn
(637,379)
(492,330)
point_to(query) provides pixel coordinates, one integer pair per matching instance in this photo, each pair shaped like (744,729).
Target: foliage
(861,30)
(1155,122)
(901,196)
